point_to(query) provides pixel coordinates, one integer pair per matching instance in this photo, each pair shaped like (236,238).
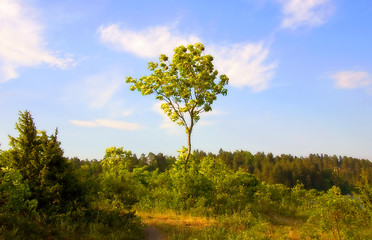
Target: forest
(224,195)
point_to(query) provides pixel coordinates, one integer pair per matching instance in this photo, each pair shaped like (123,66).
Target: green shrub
(341,216)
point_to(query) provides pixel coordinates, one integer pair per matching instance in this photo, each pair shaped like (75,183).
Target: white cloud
(245,65)
(212,113)
(174,128)
(100,88)
(204,123)
(310,13)
(205,115)
(121,125)
(171,127)
(147,43)
(352,79)
(127,113)
(21,41)
(103,91)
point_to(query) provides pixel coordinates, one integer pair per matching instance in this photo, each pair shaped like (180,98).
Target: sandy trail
(152,233)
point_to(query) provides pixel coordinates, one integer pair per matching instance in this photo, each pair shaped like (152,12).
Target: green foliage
(15,194)
(45,196)
(233,191)
(343,216)
(39,159)
(272,199)
(207,187)
(190,189)
(319,172)
(187,79)
(364,193)
(159,162)
(119,189)
(117,159)
(186,85)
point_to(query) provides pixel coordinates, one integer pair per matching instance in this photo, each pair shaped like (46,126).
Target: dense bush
(341,216)
(207,187)
(46,196)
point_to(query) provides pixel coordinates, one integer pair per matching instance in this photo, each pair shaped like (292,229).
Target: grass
(171,218)
(188,227)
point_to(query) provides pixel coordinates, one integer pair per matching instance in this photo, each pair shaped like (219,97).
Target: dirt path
(152,233)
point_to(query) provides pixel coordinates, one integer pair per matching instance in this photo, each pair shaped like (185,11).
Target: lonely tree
(186,85)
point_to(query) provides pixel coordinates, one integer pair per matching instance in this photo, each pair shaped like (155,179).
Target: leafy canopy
(186,84)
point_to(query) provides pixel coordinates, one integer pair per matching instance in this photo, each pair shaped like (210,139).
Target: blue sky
(300,74)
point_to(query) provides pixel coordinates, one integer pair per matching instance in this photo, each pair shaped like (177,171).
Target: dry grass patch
(174,219)
(185,227)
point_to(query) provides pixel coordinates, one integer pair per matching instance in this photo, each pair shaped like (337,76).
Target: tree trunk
(189,131)
(188,148)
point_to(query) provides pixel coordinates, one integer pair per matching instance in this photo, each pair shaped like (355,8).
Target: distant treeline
(317,171)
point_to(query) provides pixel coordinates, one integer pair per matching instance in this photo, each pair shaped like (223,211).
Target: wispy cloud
(166,123)
(96,90)
(21,41)
(174,128)
(101,91)
(307,13)
(245,64)
(101,87)
(127,113)
(206,115)
(352,79)
(204,123)
(212,113)
(147,43)
(121,125)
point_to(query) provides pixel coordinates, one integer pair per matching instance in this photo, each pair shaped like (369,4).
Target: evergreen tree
(39,158)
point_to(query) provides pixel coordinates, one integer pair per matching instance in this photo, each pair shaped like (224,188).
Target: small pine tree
(39,158)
